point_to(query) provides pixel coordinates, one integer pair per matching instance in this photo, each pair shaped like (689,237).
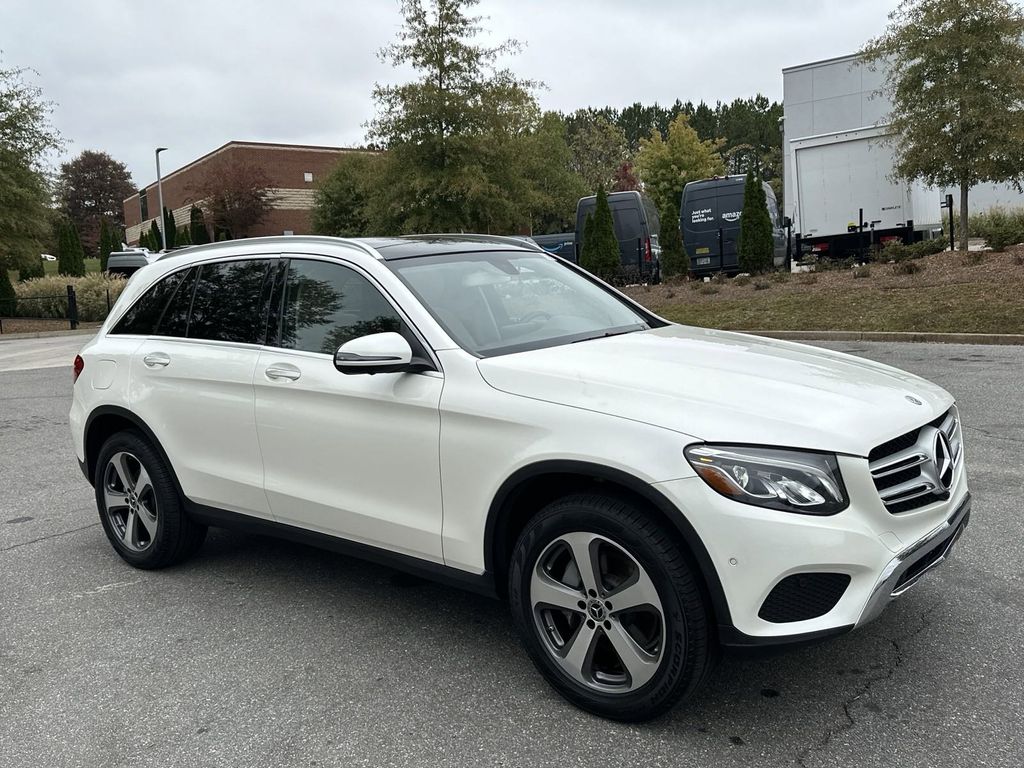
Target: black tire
(686,654)
(176,537)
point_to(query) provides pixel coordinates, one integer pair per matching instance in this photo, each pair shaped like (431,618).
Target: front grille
(803,596)
(904,468)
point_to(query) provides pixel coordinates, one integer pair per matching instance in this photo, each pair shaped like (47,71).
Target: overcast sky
(130,75)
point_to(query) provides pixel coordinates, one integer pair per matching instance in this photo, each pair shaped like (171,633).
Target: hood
(718,386)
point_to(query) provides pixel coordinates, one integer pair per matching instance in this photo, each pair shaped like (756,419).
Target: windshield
(501,302)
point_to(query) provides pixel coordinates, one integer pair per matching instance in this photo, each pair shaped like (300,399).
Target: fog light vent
(803,596)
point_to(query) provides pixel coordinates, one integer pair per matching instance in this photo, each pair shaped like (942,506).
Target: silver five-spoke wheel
(130,501)
(598,612)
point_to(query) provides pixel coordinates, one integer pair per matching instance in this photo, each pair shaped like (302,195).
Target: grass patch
(938,309)
(861,272)
(709,289)
(948,296)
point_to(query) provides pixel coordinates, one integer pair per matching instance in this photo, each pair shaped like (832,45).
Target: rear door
(192,382)
(355,456)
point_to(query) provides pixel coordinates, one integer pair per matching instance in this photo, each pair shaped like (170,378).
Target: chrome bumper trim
(886,590)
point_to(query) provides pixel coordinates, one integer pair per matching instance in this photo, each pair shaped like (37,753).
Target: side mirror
(376,353)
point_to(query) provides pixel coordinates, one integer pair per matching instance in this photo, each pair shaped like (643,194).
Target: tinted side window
(230,300)
(175,319)
(145,313)
(327,304)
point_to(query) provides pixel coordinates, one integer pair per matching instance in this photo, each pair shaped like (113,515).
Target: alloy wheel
(598,612)
(130,501)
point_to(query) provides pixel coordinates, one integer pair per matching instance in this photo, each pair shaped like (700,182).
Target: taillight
(647,250)
(79,366)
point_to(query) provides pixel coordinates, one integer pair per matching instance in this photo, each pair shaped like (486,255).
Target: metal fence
(41,313)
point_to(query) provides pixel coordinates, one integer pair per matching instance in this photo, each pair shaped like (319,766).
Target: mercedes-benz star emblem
(942,456)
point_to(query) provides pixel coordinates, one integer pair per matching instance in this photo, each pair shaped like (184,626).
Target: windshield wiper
(615,332)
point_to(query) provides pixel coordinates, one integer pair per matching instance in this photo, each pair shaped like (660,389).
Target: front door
(354,456)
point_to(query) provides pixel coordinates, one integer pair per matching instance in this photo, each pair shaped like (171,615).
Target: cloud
(130,76)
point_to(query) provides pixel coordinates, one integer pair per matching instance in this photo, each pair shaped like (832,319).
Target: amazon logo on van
(731,216)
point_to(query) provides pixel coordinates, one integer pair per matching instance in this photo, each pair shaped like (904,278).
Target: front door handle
(282,372)
(157,360)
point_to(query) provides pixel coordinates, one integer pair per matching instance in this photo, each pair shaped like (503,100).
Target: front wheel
(608,607)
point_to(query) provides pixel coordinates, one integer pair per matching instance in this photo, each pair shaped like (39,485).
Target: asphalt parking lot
(259,652)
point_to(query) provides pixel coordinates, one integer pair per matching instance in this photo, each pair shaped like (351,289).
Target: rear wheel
(139,506)
(608,608)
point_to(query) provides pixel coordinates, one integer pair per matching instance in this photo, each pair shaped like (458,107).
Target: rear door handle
(282,372)
(157,360)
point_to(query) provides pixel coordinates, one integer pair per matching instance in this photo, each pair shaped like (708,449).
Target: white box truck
(845,198)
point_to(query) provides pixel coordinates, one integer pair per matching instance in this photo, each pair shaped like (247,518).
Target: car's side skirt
(482,583)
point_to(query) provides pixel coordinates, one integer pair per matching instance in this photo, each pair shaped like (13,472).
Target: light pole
(160,196)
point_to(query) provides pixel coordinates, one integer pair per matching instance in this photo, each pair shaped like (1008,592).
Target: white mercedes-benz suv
(475,410)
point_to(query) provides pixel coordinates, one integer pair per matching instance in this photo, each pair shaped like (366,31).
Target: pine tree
(77,252)
(156,242)
(170,228)
(601,248)
(198,233)
(63,249)
(586,257)
(756,247)
(673,259)
(106,244)
(182,237)
(8,305)
(70,259)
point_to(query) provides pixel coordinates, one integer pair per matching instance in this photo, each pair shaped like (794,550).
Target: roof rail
(470,238)
(291,239)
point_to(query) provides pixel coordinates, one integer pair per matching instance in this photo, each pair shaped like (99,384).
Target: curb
(47,334)
(903,336)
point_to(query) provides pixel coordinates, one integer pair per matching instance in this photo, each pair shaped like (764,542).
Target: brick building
(293,171)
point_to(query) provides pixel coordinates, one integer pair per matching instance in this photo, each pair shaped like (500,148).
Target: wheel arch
(107,420)
(530,488)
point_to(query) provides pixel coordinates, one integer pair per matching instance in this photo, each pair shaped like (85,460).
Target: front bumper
(754,550)
(904,570)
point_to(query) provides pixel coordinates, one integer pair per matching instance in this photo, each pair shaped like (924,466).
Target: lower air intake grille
(803,596)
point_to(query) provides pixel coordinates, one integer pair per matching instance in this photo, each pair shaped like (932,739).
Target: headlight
(791,481)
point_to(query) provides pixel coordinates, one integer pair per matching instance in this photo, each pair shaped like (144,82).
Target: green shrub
(52,292)
(861,272)
(896,250)
(31,268)
(999,227)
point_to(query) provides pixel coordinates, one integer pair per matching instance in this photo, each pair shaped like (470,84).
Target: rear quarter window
(143,316)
